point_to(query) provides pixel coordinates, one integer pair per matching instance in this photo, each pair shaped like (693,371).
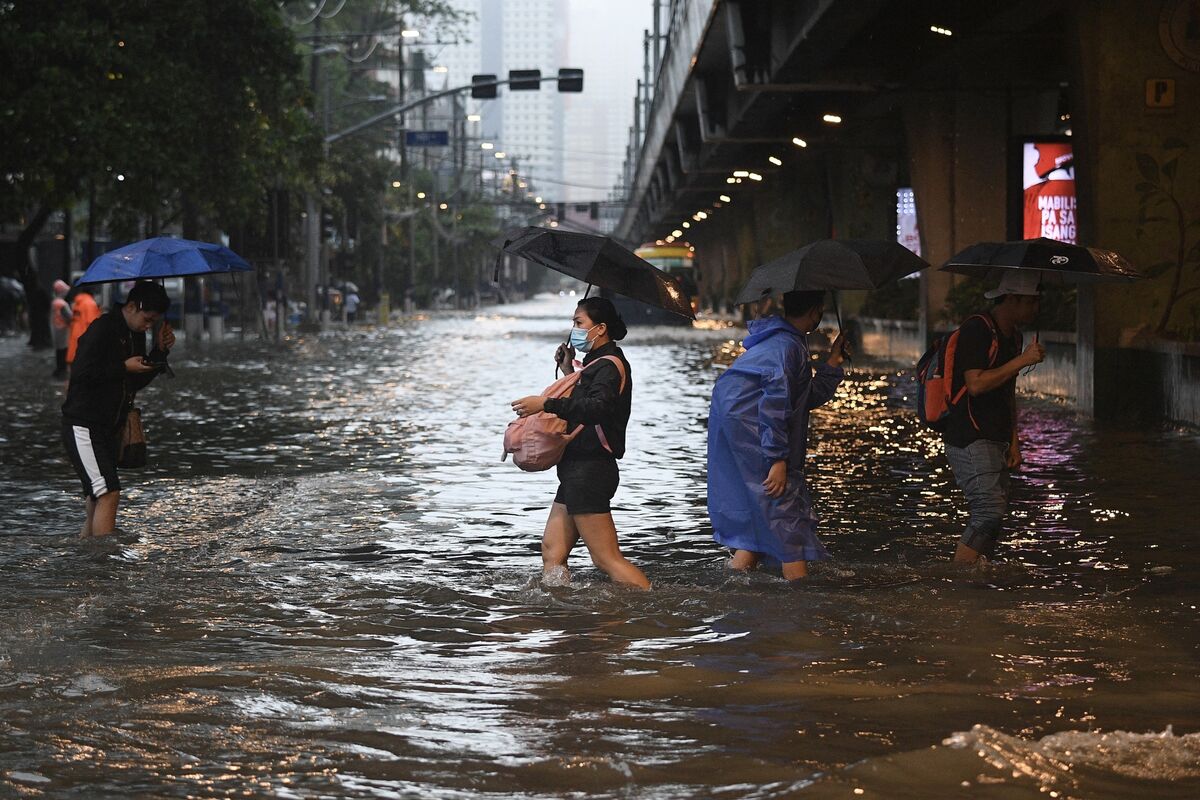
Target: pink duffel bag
(537,442)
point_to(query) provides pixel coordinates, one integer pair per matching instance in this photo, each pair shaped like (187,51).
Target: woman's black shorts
(587,485)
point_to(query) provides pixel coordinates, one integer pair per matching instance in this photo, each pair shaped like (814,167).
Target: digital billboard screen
(1048,184)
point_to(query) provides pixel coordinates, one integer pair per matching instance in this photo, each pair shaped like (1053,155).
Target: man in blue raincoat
(758,439)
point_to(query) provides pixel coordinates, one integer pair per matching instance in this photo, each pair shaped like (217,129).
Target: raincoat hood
(763,329)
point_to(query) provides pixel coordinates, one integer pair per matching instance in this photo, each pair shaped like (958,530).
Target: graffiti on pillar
(1048,177)
(1161,209)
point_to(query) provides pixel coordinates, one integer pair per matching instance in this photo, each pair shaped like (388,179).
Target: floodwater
(327,585)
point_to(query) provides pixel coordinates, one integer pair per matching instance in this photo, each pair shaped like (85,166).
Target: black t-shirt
(990,415)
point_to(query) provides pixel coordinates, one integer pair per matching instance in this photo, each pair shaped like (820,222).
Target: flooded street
(328,585)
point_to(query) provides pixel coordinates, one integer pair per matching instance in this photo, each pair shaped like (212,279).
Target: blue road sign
(427,138)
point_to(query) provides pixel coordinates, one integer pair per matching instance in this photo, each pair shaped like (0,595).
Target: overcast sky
(606,42)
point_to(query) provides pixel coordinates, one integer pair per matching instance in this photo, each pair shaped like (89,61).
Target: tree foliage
(196,104)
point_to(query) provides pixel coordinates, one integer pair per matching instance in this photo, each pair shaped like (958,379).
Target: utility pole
(459,131)
(312,211)
(657,36)
(402,144)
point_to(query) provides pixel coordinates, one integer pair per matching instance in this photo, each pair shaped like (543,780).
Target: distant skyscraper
(527,126)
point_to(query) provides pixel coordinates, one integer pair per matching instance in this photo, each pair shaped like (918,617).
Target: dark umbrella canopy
(832,264)
(163,257)
(1055,260)
(599,261)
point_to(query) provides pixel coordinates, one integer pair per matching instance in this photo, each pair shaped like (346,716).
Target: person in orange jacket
(84,311)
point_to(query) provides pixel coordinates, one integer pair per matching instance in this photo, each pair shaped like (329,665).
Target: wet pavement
(327,585)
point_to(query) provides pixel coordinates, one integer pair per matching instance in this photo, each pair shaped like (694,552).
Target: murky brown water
(328,587)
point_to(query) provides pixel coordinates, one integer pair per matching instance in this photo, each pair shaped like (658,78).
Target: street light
(486,146)
(410,34)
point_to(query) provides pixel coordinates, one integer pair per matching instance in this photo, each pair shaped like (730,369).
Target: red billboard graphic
(1048,177)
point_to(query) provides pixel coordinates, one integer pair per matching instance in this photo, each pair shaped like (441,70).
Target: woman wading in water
(588,473)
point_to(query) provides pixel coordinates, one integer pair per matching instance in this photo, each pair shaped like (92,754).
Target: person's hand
(529,405)
(564,356)
(137,365)
(1013,457)
(1035,353)
(839,351)
(776,480)
(166,337)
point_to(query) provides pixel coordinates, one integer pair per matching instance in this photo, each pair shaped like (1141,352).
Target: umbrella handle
(837,311)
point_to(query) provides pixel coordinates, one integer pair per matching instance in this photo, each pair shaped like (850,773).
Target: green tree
(196,104)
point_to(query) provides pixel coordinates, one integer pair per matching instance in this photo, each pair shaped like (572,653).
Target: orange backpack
(537,442)
(937,395)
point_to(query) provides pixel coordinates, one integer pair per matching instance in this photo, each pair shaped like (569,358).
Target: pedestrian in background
(108,370)
(351,306)
(981,435)
(60,327)
(758,440)
(84,311)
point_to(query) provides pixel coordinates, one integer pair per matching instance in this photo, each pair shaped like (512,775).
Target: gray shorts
(979,468)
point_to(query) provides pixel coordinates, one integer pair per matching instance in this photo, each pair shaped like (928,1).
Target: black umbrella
(832,264)
(597,261)
(1054,260)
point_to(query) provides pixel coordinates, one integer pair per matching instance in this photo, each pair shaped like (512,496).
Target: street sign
(1160,93)
(427,138)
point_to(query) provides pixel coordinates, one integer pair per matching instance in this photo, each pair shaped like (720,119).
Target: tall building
(527,126)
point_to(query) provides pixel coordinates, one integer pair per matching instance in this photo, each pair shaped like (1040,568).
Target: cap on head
(1017,281)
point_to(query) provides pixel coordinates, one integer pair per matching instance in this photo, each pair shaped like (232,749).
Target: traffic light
(524,80)
(570,80)
(327,228)
(484,92)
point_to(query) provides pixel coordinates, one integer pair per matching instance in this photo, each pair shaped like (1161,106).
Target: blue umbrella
(163,258)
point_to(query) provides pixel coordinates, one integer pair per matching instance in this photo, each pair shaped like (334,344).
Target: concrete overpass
(808,115)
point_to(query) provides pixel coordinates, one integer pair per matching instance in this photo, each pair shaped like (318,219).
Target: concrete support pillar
(957,162)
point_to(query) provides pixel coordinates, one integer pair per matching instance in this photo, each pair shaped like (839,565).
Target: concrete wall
(1117,136)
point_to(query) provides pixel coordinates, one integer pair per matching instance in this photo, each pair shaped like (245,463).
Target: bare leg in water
(747,560)
(599,533)
(557,540)
(101,515)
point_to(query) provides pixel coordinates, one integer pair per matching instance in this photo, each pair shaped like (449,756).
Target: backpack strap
(621,369)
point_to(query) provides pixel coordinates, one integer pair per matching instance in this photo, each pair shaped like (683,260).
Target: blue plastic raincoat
(759,415)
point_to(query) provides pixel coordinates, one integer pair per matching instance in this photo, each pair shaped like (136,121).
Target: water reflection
(327,585)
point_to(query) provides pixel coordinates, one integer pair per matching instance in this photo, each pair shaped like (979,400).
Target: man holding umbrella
(107,372)
(981,433)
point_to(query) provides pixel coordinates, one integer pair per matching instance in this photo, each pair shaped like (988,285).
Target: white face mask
(579,338)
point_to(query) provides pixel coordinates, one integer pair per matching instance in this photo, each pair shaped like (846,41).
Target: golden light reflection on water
(327,586)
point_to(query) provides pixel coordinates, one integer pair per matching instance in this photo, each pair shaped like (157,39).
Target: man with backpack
(983,358)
